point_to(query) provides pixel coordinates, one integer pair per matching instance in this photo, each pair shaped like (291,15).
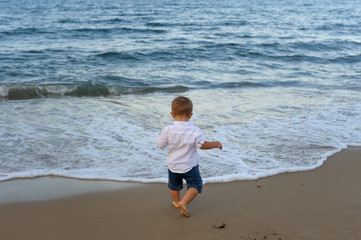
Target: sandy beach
(320,204)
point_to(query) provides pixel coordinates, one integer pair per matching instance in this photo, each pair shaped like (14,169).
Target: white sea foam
(263,132)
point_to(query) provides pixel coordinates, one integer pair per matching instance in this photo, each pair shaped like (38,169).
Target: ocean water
(86,85)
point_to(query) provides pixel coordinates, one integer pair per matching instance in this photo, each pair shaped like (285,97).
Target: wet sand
(320,204)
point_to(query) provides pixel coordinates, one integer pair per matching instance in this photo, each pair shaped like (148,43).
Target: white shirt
(183,139)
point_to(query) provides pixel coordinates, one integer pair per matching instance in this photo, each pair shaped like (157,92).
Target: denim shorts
(192,177)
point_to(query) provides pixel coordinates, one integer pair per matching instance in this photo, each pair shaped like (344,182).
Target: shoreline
(44,188)
(324,203)
(210,180)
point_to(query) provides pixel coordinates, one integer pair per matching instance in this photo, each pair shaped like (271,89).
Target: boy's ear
(171,113)
(190,115)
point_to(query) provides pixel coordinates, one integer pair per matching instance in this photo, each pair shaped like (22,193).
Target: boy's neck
(181,118)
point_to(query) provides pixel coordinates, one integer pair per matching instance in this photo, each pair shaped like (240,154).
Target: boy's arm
(162,140)
(210,145)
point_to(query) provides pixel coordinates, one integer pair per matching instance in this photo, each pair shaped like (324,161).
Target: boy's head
(182,106)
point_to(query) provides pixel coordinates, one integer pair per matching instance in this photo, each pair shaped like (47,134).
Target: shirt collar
(184,123)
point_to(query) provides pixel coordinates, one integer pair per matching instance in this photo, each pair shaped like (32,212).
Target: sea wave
(18,92)
(265,132)
(27,31)
(130,86)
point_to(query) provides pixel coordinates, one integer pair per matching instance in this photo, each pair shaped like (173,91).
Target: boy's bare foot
(183,209)
(176,205)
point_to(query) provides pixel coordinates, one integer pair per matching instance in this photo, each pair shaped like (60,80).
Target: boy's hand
(210,145)
(219,145)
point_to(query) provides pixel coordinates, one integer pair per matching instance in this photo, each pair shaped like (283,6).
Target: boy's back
(182,138)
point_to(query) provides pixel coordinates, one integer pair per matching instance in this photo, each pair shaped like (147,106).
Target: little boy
(183,138)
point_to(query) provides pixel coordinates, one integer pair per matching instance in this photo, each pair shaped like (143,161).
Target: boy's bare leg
(188,197)
(176,197)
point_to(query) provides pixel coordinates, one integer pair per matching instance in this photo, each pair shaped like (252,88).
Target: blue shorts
(192,177)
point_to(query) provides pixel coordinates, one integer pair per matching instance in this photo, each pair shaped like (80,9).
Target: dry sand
(321,204)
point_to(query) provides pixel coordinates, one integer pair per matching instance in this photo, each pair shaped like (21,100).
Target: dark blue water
(101,48)
(85,85)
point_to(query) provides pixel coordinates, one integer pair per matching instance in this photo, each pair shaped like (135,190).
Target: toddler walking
(183,139)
